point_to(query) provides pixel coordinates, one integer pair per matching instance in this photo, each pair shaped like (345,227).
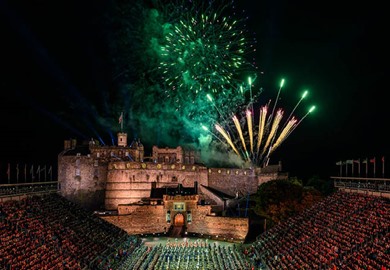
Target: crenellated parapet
(120,165)
(230,171)
(121,175)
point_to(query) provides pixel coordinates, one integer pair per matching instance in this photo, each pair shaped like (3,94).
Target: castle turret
(122,139)
(141,150)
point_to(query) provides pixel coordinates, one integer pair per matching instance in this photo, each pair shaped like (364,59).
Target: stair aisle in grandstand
(176,231)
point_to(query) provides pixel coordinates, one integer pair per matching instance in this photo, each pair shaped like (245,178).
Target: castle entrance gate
(179,220)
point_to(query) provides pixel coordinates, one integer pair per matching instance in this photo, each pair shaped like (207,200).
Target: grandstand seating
(343,231)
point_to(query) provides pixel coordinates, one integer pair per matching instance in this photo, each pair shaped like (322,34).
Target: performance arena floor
(156,240)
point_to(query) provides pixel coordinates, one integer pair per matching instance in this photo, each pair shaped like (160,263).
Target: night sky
(58,79)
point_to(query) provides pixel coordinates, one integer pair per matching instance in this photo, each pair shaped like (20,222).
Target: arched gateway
(179,220)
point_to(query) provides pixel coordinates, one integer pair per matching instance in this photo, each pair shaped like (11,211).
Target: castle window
(179,206)
(96,163)
(97,154)
(78,172)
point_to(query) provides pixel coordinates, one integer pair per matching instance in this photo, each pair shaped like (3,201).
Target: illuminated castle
(121,178)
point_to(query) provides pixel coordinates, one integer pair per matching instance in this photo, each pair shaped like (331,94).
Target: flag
(39,172)
(350,161)
(9,171)
(44,170)
(32,172)
(121,121)
(50,173)
(365,161)
(17,173)
(340,163)
(383,166)
(373,161)
(358,162)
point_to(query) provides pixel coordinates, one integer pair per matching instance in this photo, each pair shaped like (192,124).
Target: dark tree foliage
(326,187)
(280,199)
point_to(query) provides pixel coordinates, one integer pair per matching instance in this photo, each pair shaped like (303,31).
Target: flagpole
(383,166)
(359,167)
(17,173)
(9,172)
(341,168)
(25,172)
(352,168)
(121,121)
(366,167)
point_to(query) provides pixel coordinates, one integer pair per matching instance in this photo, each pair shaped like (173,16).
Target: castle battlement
(96,175)
(120,165)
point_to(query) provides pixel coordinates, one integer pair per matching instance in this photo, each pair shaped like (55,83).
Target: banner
(373,161)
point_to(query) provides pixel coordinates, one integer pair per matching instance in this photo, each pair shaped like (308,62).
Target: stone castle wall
(141,219)
(231,181)
(82,180)
(92,176)
(98,184)
(151,219)
(229,228)
(129,182)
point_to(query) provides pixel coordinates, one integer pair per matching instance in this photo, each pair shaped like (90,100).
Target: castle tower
(141,150)
(122,139)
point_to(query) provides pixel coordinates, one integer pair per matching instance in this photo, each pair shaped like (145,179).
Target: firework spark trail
(262,119)
(209,97)
(197,48)
(203,51)
(310,110)
(284,134)
(296,106)
(206,129)
(274,128)
(249,121)
(276,101)
(270,130)
(239,130)
(227,138)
